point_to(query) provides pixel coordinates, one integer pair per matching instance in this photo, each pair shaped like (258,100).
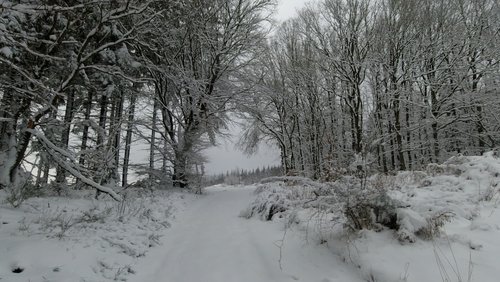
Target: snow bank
(81,239)
(441,224)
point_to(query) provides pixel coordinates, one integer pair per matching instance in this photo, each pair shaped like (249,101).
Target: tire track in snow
(211,243)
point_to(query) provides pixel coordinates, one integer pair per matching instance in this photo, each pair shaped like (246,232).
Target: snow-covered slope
(445,227)
(465,190)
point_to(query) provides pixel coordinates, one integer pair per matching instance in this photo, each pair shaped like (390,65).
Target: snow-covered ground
(212,243)
(80,239)
(447,225)
(466,190)
(447,229)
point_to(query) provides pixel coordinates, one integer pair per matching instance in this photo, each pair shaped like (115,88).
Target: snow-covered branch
(60,156)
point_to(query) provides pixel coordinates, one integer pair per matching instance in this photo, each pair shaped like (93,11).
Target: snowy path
(210,243)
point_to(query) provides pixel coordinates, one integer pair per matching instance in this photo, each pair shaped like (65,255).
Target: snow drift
(396,228)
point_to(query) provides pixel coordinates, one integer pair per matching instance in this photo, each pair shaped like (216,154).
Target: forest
(396,84)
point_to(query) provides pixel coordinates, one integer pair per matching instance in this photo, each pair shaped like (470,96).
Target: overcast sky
(288,8)
(225,156)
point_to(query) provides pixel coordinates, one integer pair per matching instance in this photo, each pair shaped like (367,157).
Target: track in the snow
(211,243)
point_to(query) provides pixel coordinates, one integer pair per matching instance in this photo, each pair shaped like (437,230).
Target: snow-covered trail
(210,243)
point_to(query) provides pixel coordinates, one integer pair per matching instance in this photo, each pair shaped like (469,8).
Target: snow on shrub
(276,195)
(354,204)
(366,206)
(413,204)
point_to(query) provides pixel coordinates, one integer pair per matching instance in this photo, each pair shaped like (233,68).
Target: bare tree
(194,77)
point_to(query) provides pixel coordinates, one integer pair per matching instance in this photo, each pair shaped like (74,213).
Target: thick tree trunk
(24,140)
(8,140)
(180,178)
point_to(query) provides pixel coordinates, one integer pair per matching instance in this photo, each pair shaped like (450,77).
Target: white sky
(288,8)
(225,156)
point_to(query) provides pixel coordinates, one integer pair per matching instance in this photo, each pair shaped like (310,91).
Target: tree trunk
(101,177)
(152,143)
(399,137)
(128,138)
(115,132)
(180,174)
(86,126)
(409,137)
(68,118)
(102,120)
(8,140)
